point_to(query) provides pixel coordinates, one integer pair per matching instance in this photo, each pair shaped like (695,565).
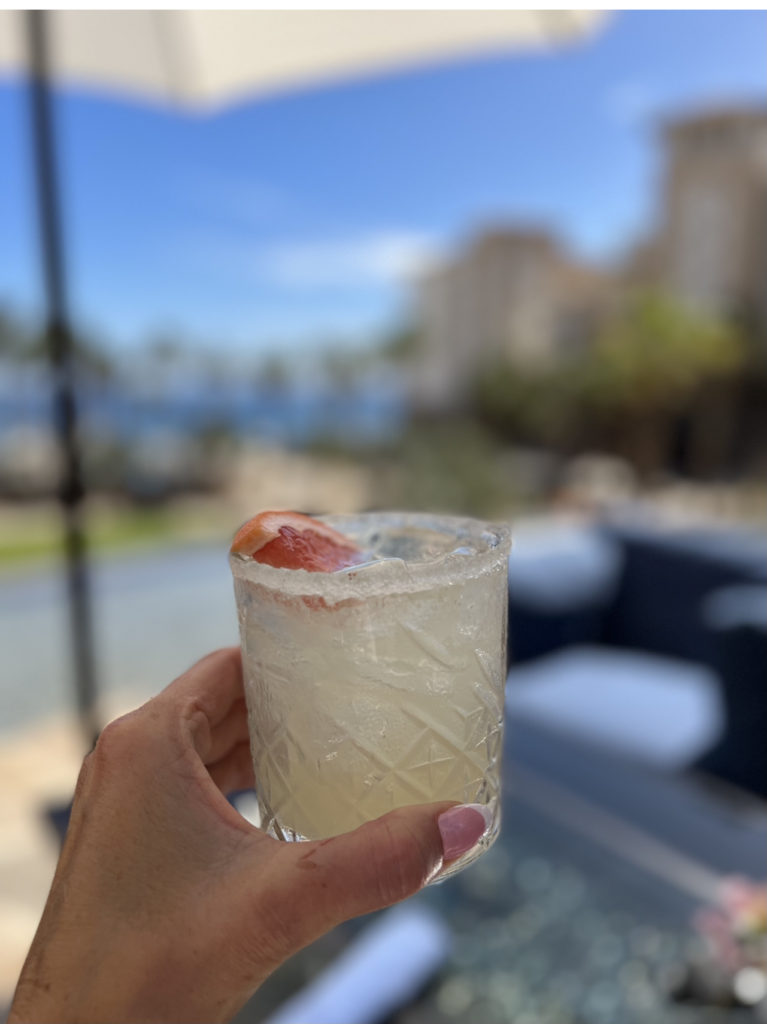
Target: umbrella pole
(63,372)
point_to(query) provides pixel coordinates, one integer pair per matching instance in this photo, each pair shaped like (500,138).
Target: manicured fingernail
(462,826)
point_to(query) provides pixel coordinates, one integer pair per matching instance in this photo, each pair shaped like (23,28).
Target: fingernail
(462,826)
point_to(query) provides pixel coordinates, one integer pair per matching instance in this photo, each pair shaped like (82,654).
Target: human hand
(167,905)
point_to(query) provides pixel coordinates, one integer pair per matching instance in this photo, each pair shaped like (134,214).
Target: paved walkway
(155,613)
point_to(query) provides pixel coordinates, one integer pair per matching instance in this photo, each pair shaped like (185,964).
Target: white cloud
(375,258)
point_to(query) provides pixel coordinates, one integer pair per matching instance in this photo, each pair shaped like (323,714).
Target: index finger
(210,686)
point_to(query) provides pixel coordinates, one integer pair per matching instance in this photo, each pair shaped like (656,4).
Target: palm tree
(648,365)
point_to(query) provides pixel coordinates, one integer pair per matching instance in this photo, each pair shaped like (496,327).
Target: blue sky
(299,218)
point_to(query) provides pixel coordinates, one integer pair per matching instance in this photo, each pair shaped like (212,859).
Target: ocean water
(291,416)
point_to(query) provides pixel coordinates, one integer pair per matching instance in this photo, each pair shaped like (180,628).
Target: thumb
(378,864)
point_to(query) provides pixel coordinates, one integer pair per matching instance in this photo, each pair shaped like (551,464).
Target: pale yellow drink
(377,686)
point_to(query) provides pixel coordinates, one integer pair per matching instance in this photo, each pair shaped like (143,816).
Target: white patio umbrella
(204,58)
(199,60)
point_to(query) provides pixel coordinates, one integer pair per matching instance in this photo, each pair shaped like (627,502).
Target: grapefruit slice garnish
(290,540)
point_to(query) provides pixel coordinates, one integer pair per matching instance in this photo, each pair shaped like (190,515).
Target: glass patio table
(581,913)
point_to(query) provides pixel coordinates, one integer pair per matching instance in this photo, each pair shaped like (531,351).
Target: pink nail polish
(461,827)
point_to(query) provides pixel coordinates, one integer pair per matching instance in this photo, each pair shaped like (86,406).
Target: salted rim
(492,540)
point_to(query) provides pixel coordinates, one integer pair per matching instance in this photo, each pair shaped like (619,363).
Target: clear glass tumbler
(380,685)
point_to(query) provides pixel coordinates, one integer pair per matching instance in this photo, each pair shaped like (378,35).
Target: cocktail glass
(380,685)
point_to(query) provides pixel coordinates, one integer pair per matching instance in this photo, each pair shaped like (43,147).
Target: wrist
(116,984)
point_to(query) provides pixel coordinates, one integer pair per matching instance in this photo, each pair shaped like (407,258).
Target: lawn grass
(33,536)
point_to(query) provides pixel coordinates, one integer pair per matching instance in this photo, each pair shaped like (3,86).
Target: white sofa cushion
(558,567)
(650,708)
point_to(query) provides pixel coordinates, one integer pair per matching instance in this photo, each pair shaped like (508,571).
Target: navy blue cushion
(665,579)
